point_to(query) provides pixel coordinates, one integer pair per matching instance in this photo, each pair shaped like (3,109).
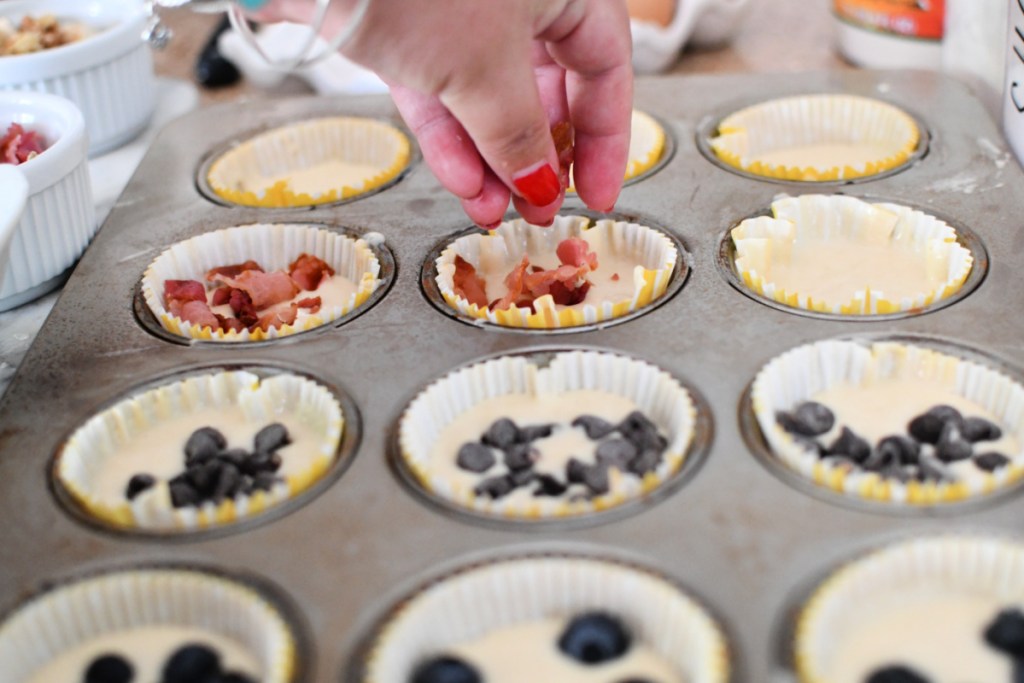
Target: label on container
(911,18)
(1013,93)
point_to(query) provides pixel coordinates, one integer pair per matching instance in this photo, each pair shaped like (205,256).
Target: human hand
(482,84)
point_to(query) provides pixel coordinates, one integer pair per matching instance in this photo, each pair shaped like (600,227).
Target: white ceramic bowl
(109,75)
(57,218)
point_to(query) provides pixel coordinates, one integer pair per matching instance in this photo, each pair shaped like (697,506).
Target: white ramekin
(109,75)
(58,219)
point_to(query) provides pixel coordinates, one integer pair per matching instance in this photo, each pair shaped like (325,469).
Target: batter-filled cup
(144,618)
(203,451)
(290,278)
(311,162)
(535,616)
(817,138)
(575,272)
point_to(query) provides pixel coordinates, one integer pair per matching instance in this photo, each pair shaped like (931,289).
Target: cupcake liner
(274,247)
(646,146)
(943,566)
(803,372)
(656,393)
(656,257)
(71,615)
(912,235)
(863,137)
(298,402)
(480,599)
(272,169)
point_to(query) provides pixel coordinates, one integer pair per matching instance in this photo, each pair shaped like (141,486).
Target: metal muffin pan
(739,538)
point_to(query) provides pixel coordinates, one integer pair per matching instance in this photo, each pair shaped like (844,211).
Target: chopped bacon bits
(232,271)
(308,271)
(615,277)
(19,145)
(468,284)
(562,136)
(312,303)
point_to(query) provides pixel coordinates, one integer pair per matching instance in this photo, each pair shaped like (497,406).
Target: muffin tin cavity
(474,277)
(159,624)
(317,162)
(747,139)
(896,424)
(786,235)
(549,438)
(254,284)
(627,621)
(208,450)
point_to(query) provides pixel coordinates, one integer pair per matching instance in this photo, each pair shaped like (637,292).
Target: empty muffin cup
(313,162)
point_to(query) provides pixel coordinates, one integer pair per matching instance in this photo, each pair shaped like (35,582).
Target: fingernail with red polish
(547,224)
(491,226)
(538,184)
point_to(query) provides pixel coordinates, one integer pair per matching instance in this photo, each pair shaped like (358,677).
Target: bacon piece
(311,303)
(562,136)
(567,284)
(576,252)
(220,296)
(568,296)
(515,282)
(265,289)
(198,313)
(227,324)
(468,284)
(184,290)
(232,271)
(308,271)
(18,145)
(241,306)
(285,316)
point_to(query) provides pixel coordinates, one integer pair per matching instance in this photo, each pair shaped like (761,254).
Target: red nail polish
(539,186)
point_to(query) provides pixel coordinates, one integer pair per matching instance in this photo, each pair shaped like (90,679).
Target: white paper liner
(475,601)
(796,122)
(303,146)
(799,374)
(263,401)
(274,246)
(822,218)
(656,257)
(990,567)
(74,614)
(656,393)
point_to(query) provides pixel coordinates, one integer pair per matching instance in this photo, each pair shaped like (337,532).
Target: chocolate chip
(926,428)
(264,481)
(896,674)
(947,414)
(109,669)
(549,486)
(646,461)
(991,461)
(850,445)
(494,487)
(595,427)
(182,492)
(616,453)
(501,434)
(235,456)
(595,478)
(475,457)
(641,432)
(1006,633)
(595,638)
(261,462)
(952,446)
(139,483)
(204,443)
(812,419)
(445,669)
(203,476)
(980,429)
(246,485)
(271,437)
(191,663)
(521,456)
(534,432)
(521,477)
(903,450)
(228,482)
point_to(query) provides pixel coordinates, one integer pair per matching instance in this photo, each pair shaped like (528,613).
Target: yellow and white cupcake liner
(817,138)
(483,598)
(277,398)
(943,566)
(656,257)
(274,246)
(766,240)
(657,394)
(72,615)
(801,373)
(279,168)
(646,146)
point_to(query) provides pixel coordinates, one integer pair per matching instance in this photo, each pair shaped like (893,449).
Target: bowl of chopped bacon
(88,51)
(47,198)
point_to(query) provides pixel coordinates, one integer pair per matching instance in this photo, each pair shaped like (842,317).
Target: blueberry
(947,414)
(574,471)
(137,484)
(1006,633)
(182,492)
(109,669)
(595,478)
(494,487)
(850,445)
(236,456)
(594,638)
(534,432)
(991,461)
(641,432)
(204,443)
(192,663)
(952,446)
(260,462)
(926,428)
(646,461)
(445,669)
(475,457)
(980,429)
(813,419)
(203,476)
(595,427)
(501,434)
(616,453)
(521,456)
(548,485)
(270,438)
(893,451)
(228,481)
(896,674)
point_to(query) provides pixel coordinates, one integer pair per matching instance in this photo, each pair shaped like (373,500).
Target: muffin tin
(744,542)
